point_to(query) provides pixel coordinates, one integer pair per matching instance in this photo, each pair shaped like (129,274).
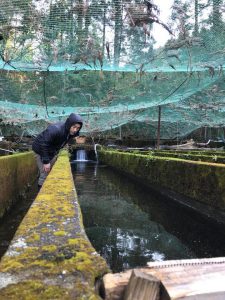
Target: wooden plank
(197,278)
(183,279)
(142,286)
(115,284)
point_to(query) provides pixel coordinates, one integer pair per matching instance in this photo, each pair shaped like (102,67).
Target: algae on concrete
(201,181)
(50,254)
(18,171)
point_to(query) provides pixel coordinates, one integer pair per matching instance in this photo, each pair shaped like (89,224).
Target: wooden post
(205,133)
(120,133)
(158,129)
(142,286)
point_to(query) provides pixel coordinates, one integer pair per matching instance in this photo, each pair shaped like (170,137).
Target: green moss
(60,233)
(44,230)
(49,248)
(195,156)
(82,256)
(198,180)
(49,254)
(11,264)
(34,289)
(72,241)
(18,171)
(34,237)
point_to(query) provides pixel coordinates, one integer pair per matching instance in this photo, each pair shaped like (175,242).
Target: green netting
(113,62)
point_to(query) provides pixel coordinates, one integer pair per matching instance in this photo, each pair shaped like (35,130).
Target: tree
(216,15)
(118,30)
(196,30)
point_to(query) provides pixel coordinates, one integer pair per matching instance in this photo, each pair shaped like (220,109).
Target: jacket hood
(73,119)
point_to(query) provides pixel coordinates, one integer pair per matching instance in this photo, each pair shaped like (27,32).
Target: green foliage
(100,58)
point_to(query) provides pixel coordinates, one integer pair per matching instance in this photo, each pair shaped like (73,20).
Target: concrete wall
(50,256)
(201,181)
(17,172)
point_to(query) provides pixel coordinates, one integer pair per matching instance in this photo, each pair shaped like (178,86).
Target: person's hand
(47,168)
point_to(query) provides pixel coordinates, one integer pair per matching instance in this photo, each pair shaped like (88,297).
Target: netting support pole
(158,129)
(120,133)
(205,133)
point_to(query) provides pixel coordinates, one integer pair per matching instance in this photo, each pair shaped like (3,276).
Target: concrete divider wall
(50,256)
(213,158)
(201,181)
(17,171)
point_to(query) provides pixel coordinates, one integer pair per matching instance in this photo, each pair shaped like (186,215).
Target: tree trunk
(196,30)
(117,36)
(79,22)
(103,37)
(158,128)
(217,18)
(87,21)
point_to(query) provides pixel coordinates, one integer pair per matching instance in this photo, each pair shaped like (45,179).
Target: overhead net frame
(113,62)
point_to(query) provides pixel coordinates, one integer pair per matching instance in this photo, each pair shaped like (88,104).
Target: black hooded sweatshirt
(48,143)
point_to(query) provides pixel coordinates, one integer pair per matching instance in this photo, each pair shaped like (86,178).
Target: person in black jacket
(48,143)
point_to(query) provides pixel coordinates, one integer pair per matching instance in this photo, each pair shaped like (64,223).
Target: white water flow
(95,149)
(81,155)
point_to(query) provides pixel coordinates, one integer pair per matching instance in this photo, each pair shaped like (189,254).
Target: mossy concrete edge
(201,181)
(50,256)
(18,171)
(211,158)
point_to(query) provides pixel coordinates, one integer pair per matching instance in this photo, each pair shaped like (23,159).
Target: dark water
(11,221)
(130,225)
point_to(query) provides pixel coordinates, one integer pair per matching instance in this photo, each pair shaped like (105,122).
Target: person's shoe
(39,187)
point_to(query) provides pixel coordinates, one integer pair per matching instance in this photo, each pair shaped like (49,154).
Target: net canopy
(115,62)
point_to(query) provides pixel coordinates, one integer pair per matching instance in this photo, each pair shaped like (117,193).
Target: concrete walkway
(50,256)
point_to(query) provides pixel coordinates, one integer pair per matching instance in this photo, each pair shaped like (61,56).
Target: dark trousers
(42,173)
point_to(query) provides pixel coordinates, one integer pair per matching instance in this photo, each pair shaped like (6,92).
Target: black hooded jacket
(51,140)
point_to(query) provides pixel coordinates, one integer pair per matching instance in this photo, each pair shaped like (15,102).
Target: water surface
(129,225)
(12,219)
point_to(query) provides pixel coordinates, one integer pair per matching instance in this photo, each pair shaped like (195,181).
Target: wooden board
(199,279)
(142,286)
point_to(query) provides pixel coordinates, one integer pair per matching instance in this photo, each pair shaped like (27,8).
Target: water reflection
(129,226)
(81,155)
(80,167)
(10,222)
